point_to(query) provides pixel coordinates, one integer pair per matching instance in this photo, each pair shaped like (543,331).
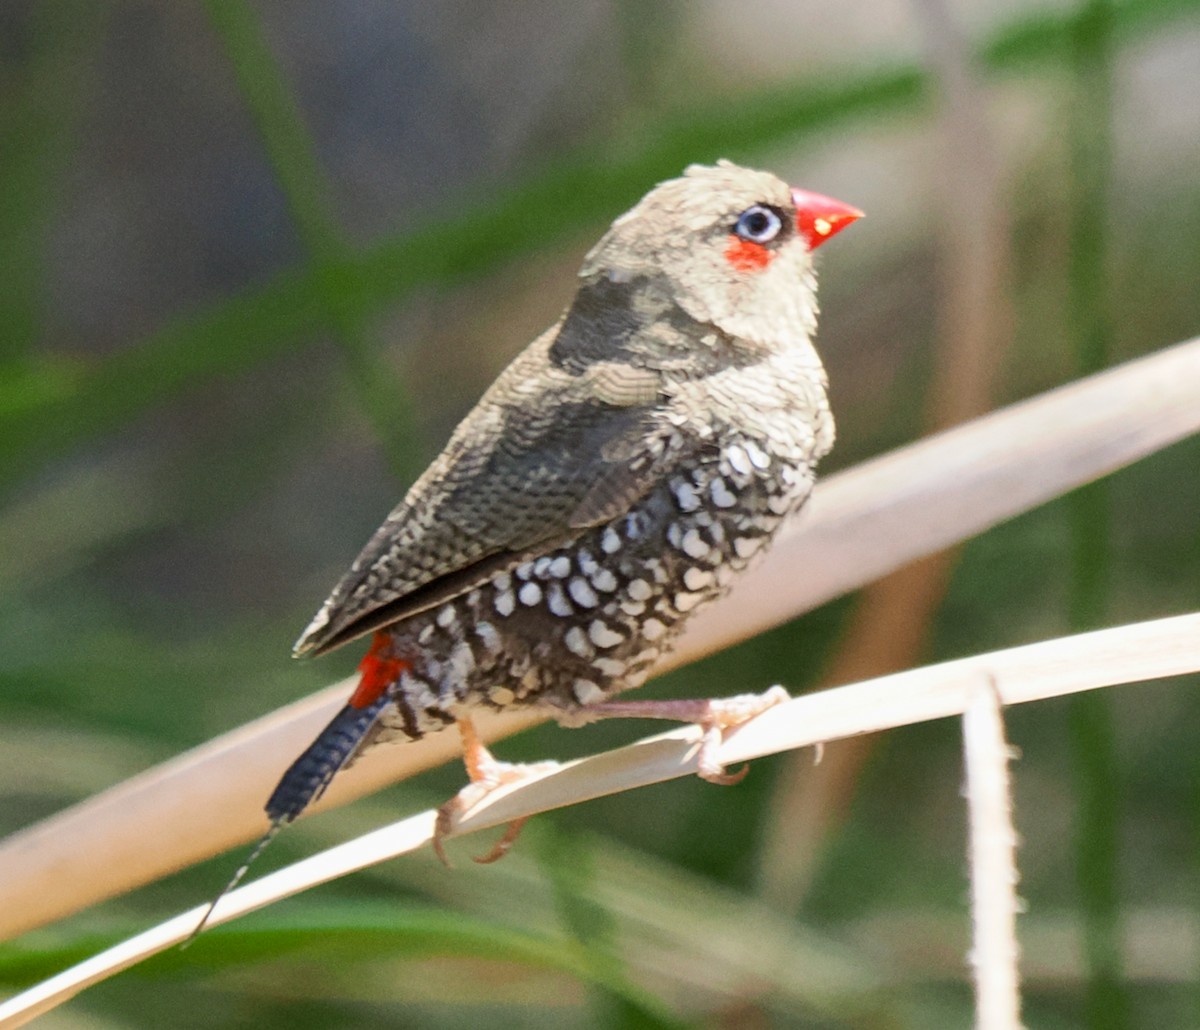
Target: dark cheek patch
(747,256)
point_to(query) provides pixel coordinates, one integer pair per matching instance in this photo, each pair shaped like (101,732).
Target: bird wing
(545,454)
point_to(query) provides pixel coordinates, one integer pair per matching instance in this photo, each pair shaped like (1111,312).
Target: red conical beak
(819,217)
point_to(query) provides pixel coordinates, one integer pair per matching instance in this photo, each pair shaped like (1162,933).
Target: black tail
(304,782)
(310,774)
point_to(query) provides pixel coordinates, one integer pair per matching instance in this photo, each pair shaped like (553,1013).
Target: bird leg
(486,773)
(715,717)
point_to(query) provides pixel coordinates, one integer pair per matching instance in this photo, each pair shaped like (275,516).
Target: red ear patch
(746,255)
(379,670)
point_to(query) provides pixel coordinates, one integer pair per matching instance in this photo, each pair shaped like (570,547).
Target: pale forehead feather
(705,193)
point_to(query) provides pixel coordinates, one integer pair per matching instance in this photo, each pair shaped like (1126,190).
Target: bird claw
(504,844)
(487,774)
(708,768)
(468,798)
(726,714)
(715,717)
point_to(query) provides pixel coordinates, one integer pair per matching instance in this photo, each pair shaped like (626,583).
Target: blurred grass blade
(348,930)
(272,104)
(580,190)
(860,525)
(695,943)
(292,153)
(1128,654)
(1092,740)
(37,117)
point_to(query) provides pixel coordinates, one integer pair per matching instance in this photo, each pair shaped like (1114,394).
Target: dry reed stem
(992,853)
(1127,654)
(889,627)
(859,525)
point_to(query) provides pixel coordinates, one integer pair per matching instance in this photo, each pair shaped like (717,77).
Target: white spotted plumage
(614,478)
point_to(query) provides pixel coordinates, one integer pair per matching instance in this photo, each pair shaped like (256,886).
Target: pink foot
(486,774)
(715,717)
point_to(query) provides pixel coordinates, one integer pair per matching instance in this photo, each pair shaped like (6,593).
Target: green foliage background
(205,409)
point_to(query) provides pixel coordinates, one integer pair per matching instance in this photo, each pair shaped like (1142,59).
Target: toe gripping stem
(486,774)
(715,717)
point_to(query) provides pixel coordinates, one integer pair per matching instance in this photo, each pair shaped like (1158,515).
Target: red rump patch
(746,255)
(379,669)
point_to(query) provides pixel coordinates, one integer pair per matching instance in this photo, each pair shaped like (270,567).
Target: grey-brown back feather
(545,454)
(588,418)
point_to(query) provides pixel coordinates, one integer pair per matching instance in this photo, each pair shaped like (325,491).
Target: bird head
(730,246)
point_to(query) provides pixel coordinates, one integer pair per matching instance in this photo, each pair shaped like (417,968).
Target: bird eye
(758,224)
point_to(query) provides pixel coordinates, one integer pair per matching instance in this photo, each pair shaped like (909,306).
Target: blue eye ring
(758,224)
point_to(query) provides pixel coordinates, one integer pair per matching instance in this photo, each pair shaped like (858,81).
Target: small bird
(615,477)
